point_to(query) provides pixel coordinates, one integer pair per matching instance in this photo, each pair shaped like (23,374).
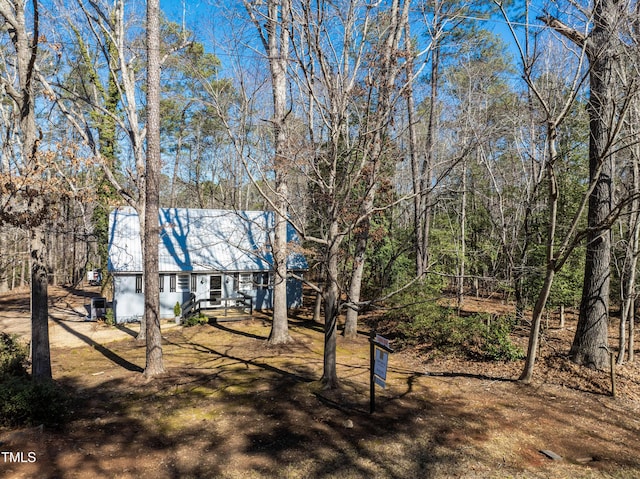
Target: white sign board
(381,362)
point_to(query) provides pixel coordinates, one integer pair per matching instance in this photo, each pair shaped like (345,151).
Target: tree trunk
(629,273)
(142,219)
(351,321)
(273,28)
(24,266)
(592,331)
(422,172)
(176,166)
(40,352)
(329,378)
(4,262)
(632,329)
(17,262)
(26,49)
(628,279)
(280,326)
(317,307)
(534,334)
(154,364)
(550,261)
(463,241)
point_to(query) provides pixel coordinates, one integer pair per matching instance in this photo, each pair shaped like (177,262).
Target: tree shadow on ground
(459,374)
(194,420)
(106,352)
(229,329)
(123,327)
(229,407)
(83,293)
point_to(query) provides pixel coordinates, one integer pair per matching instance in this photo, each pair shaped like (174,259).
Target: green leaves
(423,323)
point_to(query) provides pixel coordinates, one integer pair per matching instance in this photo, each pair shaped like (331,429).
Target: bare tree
(607,107)
(554,111)
(628,270)
(606,120)
(346,70)
(630,221)
(273,24)
(108,28)
(386,67)
(32,213)
(423,156)
(154,365)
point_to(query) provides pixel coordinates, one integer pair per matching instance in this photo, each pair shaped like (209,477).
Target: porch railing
(194,307)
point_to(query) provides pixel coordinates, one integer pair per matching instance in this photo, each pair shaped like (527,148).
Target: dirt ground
(230,407)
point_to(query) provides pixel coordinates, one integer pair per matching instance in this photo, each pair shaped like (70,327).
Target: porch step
(232,315)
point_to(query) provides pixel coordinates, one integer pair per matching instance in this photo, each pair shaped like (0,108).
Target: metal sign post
(379,350)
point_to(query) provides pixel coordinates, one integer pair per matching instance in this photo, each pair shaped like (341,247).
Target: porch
(233,308)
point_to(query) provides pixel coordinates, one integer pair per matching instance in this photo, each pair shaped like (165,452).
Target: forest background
(415,151)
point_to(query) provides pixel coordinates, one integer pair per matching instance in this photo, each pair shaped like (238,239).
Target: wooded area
(416,152)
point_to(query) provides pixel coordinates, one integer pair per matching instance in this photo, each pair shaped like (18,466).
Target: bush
(195,320)
(496,340)
(109,317)
(422,322)
(444,331)
(24,402)
(14,356)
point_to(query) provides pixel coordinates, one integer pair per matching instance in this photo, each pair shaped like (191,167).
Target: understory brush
(420,321)
(24,402)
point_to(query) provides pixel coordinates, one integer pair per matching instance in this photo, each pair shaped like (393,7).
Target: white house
(216,256)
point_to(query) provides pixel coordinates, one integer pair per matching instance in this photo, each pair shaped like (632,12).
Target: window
(215,289)
(244,282)
(194,282)
(172,283)
(261,280)
(161,283)
(183,283)
(138,283)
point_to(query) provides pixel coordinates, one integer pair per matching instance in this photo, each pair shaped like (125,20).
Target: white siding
(128,306)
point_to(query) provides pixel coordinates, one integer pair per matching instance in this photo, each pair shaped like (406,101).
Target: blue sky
(194,12)
(204,17)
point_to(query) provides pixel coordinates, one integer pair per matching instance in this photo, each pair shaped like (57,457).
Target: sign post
(379,350)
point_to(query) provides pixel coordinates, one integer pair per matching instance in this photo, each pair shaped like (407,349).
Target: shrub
(109,317)
(195,320)
(421,321)
(444,331)
(14,356)
(496,340)
(24,402)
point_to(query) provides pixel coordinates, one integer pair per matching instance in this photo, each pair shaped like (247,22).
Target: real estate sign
(379,361)
(380,364)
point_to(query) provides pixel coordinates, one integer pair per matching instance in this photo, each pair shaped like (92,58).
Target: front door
(215,288)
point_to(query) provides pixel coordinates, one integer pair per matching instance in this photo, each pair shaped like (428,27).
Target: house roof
(199,240)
